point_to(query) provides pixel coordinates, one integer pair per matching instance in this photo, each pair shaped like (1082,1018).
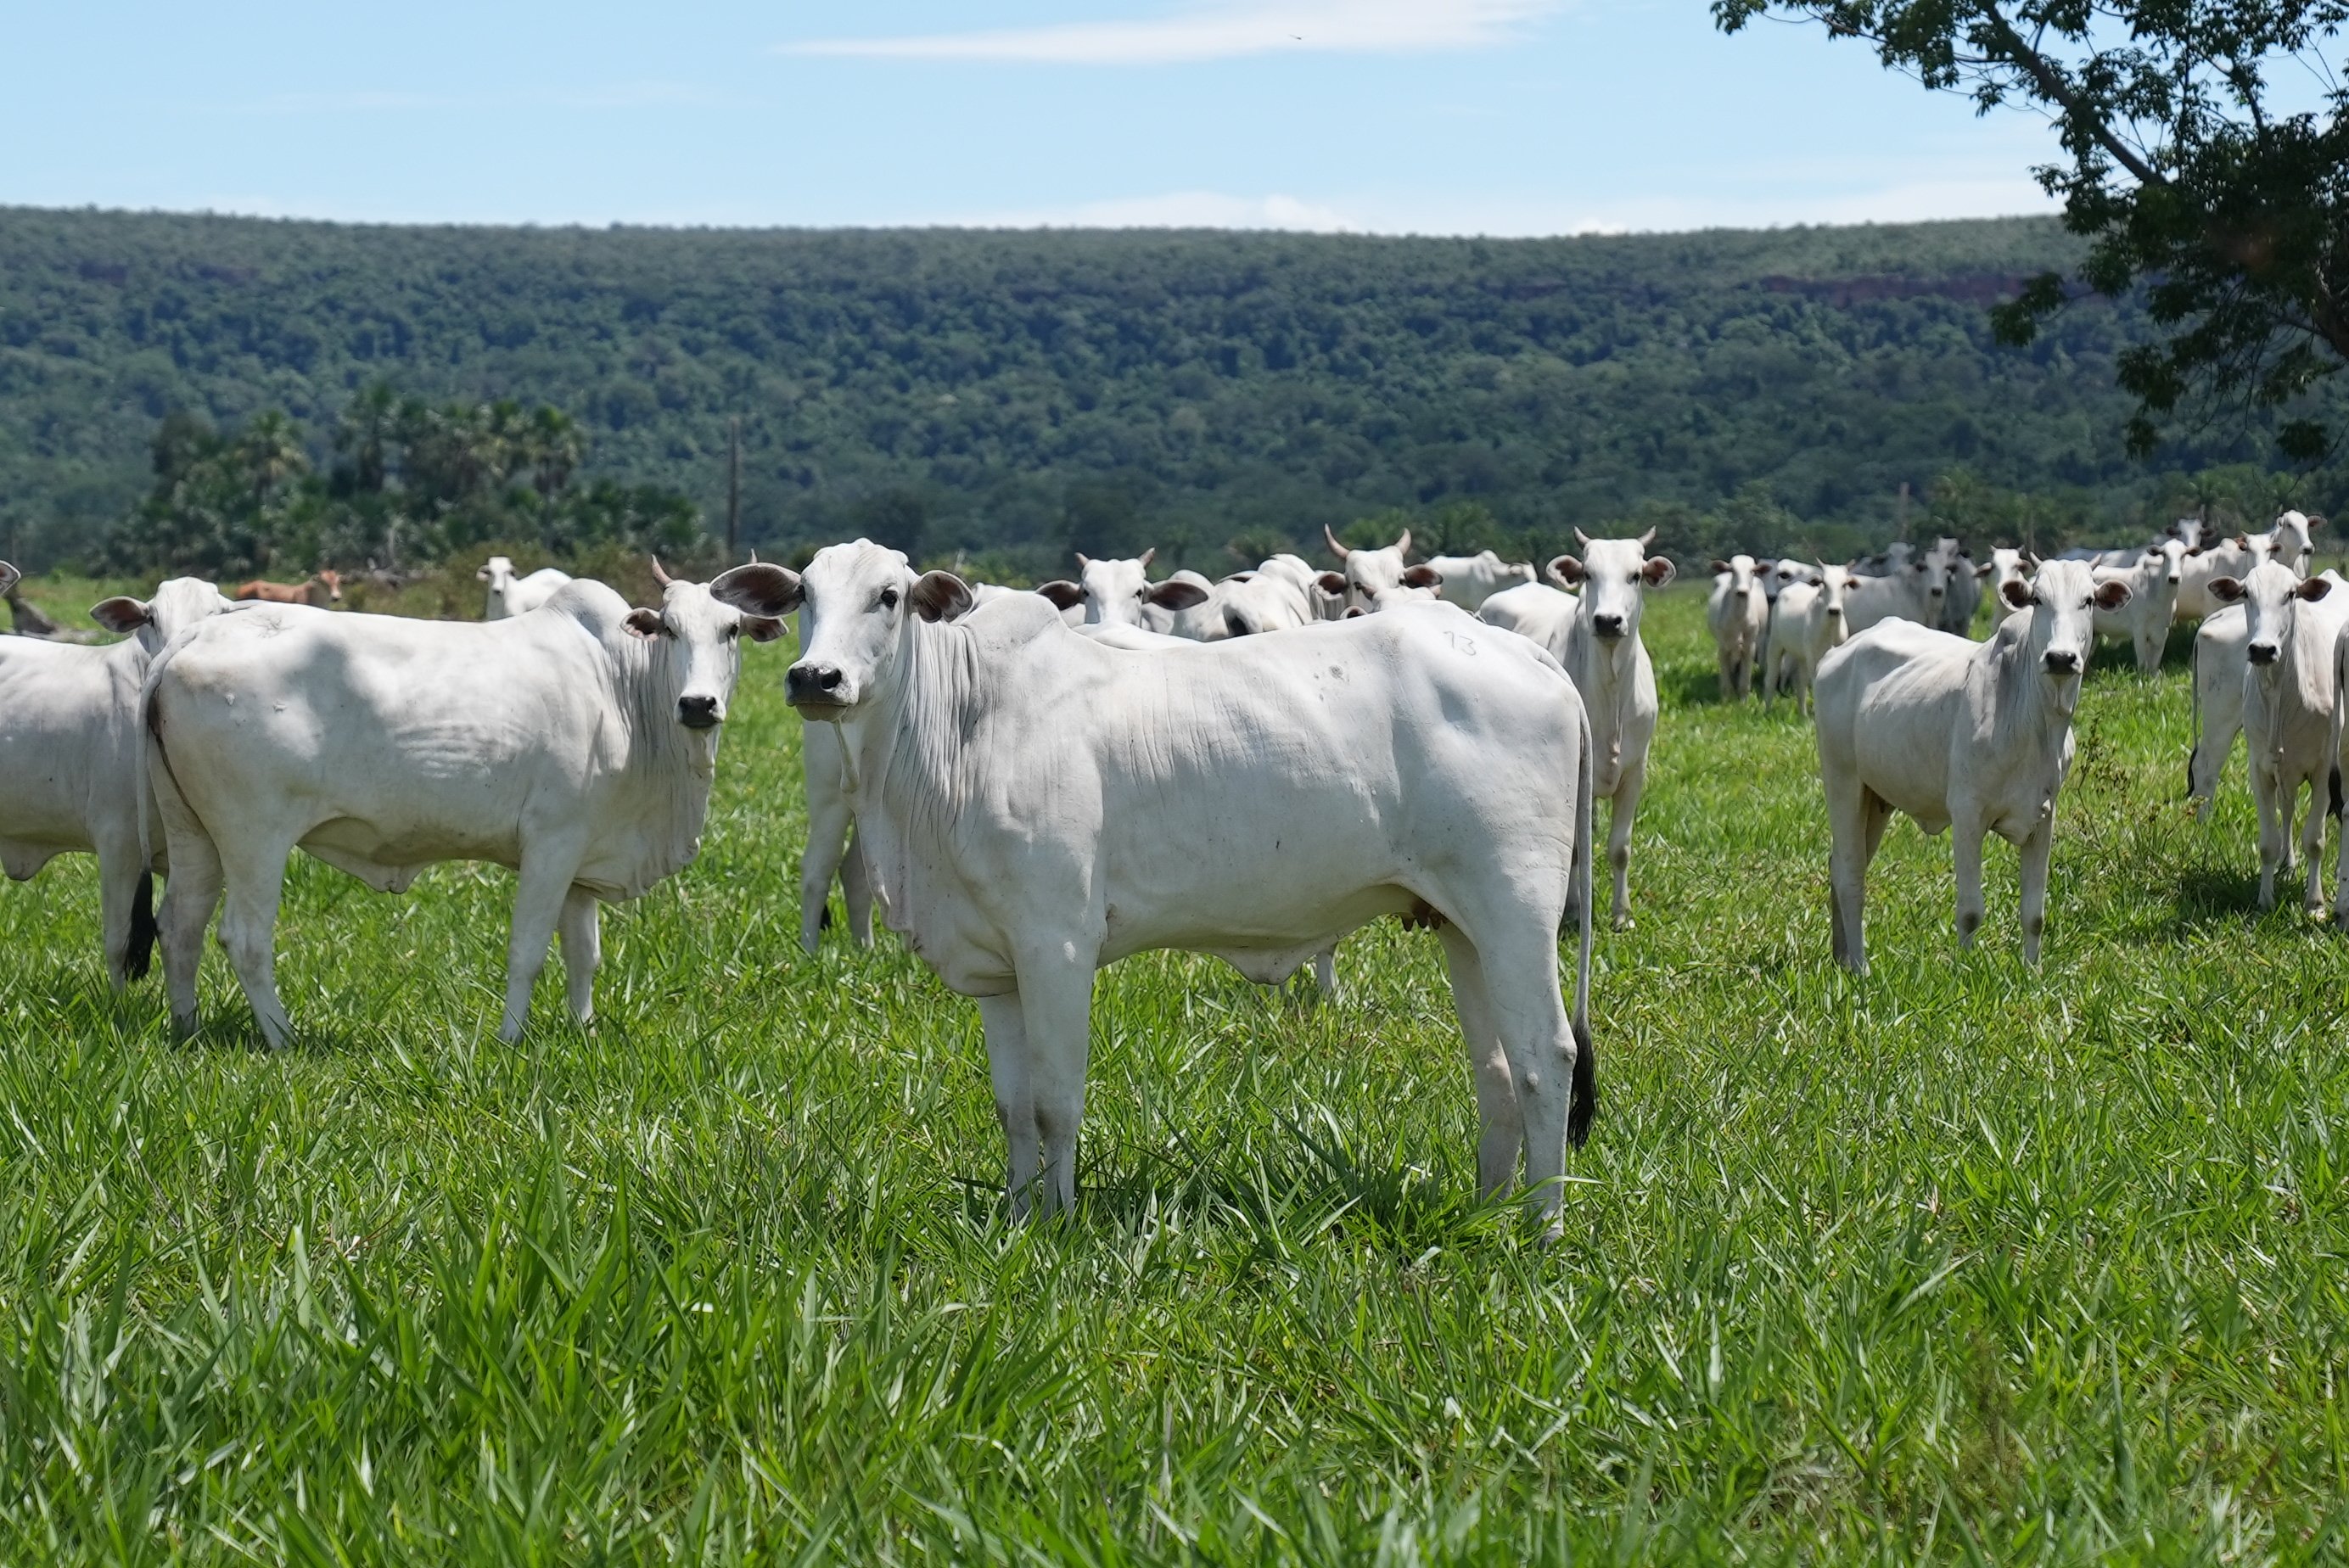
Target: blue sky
(1498,117)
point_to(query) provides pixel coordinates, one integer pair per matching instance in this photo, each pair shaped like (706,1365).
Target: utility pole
(733,485)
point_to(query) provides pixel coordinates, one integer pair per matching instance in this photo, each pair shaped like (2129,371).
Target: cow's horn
(660,575)
(1647,539)
(1402,545)
(1581,538)
(1336,548)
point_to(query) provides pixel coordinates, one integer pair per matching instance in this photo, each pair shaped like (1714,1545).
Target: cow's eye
(888,598)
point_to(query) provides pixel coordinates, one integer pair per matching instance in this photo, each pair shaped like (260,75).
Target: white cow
(1960,588)
(2237,558)
(2291,539)
(1371,573)
(1977,736)
(1249,604)
(2144,621)
(1597,638)
(511,595)
(1738,614)
(1806,622)
(1470,580)
(70,779)
(2290,626)
(575,743)
(1913,588)
(1120,593)
(1036,805)
(2003,567)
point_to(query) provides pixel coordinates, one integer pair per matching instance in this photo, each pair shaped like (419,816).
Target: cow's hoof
(1623,920)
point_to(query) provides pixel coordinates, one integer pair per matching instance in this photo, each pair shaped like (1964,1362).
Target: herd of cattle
(1033,784)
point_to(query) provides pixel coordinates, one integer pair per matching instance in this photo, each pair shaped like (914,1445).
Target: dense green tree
(2205,155)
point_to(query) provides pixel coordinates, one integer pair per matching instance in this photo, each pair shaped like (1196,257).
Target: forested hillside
(1017,393)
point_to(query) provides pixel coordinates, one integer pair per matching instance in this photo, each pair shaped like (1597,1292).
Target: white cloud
(1175,210)
(1216,32)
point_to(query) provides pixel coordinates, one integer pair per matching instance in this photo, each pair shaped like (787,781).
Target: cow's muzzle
(699,712)
(1608,626)
(1835,611)
(2262,653)
(2061,661)
(814,685)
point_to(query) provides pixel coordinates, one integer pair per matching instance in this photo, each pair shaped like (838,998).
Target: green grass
(1963,1262)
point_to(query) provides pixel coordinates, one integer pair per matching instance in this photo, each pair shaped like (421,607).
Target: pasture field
(1962,1263)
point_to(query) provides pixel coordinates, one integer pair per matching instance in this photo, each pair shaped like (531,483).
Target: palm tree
(556,446)
(366,431)
(269,451)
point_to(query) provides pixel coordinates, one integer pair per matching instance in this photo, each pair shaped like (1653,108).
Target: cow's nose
(811,683)
(696,711)
(1606,626)
(1834,609)
(2063,662)
(2261,652)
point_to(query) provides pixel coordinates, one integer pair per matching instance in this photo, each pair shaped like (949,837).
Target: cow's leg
(1724,672)
(1015,1098)
(2276,836)
(540,892)
(2035,848)
(1325,973)
(1966,847)
(583,949)
(856,888)
(120,871)
(1856,820)
(255,878)
(829,824)
(1056,994)
(2148,650)
(1516,956)
(2312,843)
(1497,1110)
(191,893)
(1619,820)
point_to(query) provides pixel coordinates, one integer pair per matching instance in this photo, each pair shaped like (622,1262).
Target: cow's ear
(1353,612)
(2111,596)
(2226,590)
(1720,567)
(1657,570)
(762,588)
(1331,583)
(762,628)
(2016,592)
(2315,522)
(2314,588)
(1566,570)
(481,574)
(1985,570)
(1063,593)
(121,614)
(9,578)
(939,596)
(1176,595)
(1421,576)
(2193,550)
(643,623)
(2241,542)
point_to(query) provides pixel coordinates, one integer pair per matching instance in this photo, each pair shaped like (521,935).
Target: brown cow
(324,588)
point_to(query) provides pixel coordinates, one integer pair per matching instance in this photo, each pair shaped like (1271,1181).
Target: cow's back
(379,741)
(1890,701)
(1259,793)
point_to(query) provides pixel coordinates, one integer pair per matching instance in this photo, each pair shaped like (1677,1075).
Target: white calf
(1977,736)
(2290,627)
(2144,621)
(1806,622)
(1739,616)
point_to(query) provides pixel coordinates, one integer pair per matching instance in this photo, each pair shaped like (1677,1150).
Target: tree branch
(2052,82)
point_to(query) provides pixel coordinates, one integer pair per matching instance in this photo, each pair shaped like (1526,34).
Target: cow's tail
(151,784)
(140,956)
(1585,1103)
